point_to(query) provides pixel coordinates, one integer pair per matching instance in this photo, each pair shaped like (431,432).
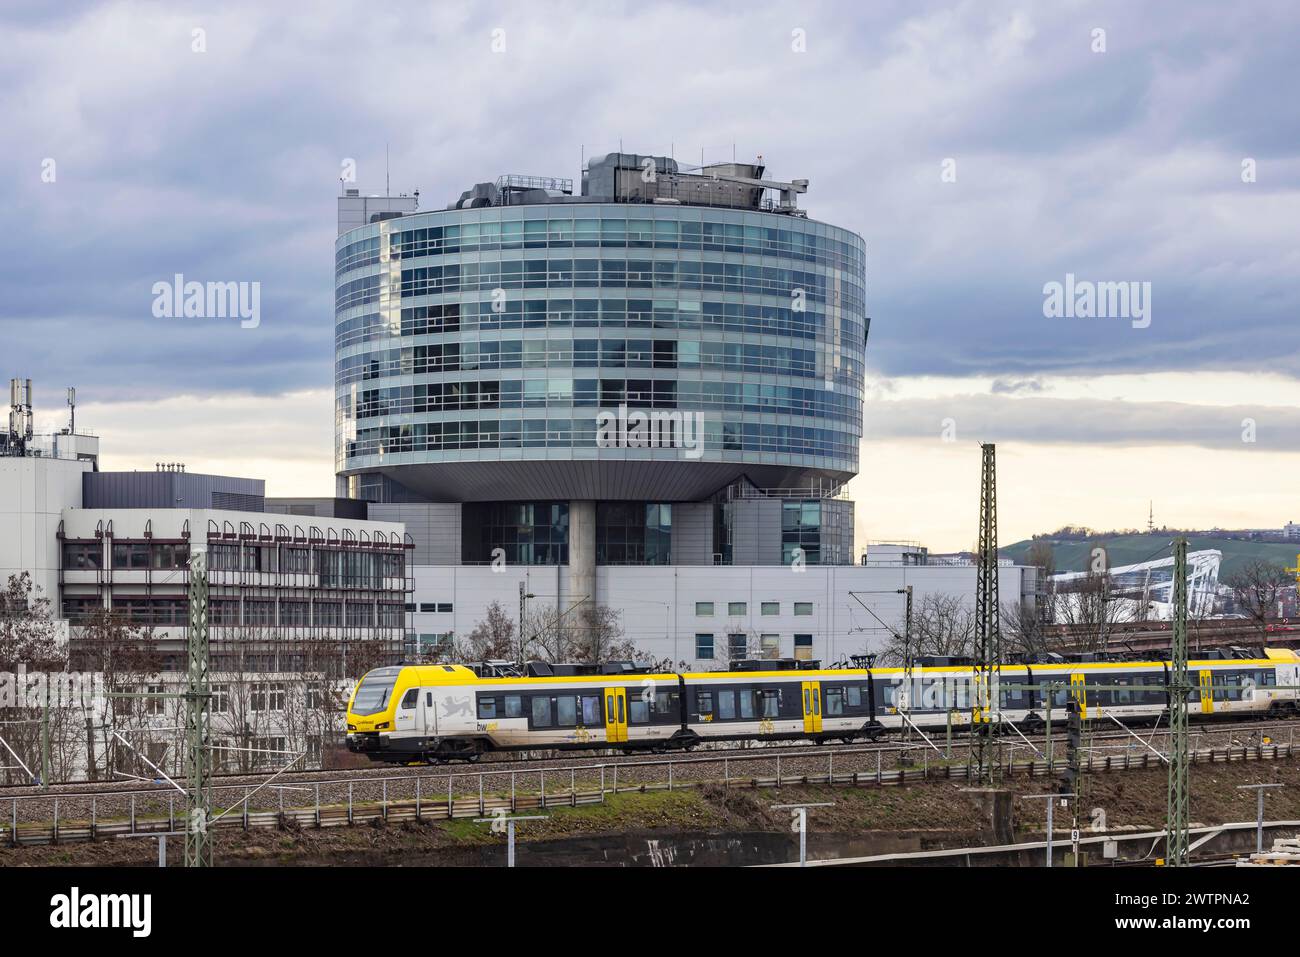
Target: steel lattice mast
(198,843)
(1176,817)
(988,635)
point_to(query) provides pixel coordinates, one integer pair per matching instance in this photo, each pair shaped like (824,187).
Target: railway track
(895,746)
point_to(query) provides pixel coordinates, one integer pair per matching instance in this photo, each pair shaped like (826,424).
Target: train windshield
(374,691)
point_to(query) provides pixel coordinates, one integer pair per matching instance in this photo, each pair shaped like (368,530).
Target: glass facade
(633,533)
(519,533)
(500,333)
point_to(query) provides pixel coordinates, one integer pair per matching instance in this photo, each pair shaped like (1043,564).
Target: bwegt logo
(657,429)
(179,299)
(74,909)
(1085,299)
(59,689)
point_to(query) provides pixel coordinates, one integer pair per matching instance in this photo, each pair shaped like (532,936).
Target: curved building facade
(656,339)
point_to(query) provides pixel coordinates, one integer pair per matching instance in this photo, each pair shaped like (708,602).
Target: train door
(407,720)
(812,707)
(1079,692)
(1206,682)
(615,714)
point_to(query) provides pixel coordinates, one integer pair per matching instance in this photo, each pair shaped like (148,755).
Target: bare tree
(127,656)
(1042,557)
(1256,590)
(494,637)
(942,624)
(1091,607)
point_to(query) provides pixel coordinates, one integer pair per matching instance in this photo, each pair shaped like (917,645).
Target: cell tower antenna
(1151,516)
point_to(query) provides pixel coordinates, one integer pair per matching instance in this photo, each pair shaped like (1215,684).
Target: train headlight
(382,726)
(352,727)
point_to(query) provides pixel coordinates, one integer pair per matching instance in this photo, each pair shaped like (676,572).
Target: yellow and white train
(435,713)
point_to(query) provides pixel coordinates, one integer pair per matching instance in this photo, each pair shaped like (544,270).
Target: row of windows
(579,709)
(337,567)
(577,433)
(583,353)
(606,313)
(614,274)
(608,393)
(705,609)
(126,555)
(740,645)
(297,613)
(556,230)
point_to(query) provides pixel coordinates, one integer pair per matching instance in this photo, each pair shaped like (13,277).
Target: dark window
(411,697)
(541,711)
(514,706)
(487,707)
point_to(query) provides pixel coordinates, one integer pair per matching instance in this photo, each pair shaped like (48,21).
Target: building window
(770,608)
(803,608)
(257,612)
(391,615)
(704,647)
(737,607)
(220,699)
(427,607)
(801,532)
(329,614)
(529,533)
(444,608)
(267,696)
(294,613)
(633,533)
(360,615)
(154,705)
(80,556)
(704,609)
(737,645)
(771,645)
(803,647)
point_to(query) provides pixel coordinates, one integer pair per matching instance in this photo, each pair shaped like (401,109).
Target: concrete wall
(434,526)
(658,604)
(33,493)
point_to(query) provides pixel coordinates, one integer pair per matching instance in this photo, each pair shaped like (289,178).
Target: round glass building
(655,339)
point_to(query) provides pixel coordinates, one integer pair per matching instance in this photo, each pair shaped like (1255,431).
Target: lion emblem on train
(457,707)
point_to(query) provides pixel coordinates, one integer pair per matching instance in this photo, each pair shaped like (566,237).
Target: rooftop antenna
(388,190)
(72,408)
(1151,517)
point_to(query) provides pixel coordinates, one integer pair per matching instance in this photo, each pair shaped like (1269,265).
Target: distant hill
(1073,555)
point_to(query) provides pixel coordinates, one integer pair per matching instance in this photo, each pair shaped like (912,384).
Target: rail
(450,795)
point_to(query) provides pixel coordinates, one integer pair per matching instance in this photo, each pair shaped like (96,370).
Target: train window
(1266,679)
(428,699)
(726,705)
(834,702)
(487,707)
(668,703)
(566,710)
(541,711)
(638,712)
(855,696)
(704,704)
(591,710)
(514,706)
(747,703)
(411,698)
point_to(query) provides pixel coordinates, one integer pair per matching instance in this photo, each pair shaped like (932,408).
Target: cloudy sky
(983,150)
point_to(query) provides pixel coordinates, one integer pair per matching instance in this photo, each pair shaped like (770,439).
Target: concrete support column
(582,553)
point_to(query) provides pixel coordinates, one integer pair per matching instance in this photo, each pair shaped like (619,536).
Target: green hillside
(1074,555)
